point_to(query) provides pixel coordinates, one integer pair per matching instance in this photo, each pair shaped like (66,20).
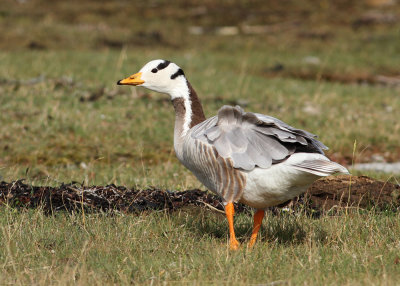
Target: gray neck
(188,113)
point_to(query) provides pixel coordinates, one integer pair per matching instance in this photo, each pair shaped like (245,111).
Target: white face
(161,76)
(158,75)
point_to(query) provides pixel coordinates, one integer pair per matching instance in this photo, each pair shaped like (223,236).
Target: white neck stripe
(181,90)
(188,116)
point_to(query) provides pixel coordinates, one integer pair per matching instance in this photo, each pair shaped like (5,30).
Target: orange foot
(233,244)
(258,217)
(230,211)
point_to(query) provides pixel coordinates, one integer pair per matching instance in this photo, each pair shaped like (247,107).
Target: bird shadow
(286,229)
(282,230)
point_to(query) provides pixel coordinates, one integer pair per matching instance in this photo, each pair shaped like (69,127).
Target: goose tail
(321,167)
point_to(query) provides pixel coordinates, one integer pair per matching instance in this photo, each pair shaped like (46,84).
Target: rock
(311,60)
(311,108)
(391,168)
(378,158)
(227,31)
(196,30)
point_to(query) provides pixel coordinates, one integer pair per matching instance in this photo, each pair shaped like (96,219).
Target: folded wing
(252,139)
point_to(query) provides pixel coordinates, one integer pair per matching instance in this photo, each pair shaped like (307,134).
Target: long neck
(188,111)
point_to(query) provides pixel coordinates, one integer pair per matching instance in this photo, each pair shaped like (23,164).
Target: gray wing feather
(242,160)
(223,146)
(301,134)
(281,134)
(321,167)
(238,139)
(199,129)
(252,139)
(213,133)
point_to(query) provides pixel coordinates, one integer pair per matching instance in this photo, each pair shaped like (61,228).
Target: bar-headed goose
(242,156)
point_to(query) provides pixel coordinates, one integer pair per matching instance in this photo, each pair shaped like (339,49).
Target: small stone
(377,158)
(311,60)
(196,30)
(227,31)
(391,168)
(311,109)
(389,108)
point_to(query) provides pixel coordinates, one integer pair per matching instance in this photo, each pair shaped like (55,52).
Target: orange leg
(258,217)
(230,211)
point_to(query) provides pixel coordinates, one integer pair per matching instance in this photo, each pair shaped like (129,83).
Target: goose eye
(154,70)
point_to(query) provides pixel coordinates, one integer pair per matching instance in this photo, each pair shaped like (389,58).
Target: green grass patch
(189,246)
(76,124)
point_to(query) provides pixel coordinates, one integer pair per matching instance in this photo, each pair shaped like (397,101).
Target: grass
(188,246)
(51,133)
(74,124)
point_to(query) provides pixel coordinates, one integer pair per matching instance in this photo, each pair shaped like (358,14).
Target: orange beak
(134,79)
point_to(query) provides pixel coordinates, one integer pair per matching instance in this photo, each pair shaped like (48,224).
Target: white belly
(275,185)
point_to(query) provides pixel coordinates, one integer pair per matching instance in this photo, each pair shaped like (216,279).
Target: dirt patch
(47,25)
(323,196)
(353,191)
(278,70)
(115,198)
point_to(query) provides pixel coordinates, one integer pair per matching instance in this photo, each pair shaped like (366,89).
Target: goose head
(161,76)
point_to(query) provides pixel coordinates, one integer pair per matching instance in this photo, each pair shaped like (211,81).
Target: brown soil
(323,196)
(353,191)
